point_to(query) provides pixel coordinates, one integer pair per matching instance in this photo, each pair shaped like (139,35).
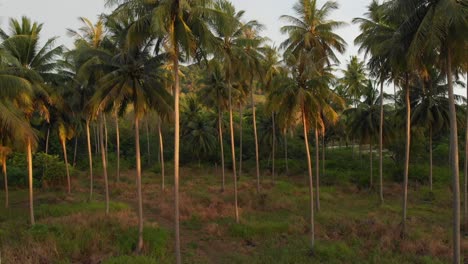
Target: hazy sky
(57,15)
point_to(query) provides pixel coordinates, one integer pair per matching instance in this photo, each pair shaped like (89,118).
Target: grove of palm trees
(176,131)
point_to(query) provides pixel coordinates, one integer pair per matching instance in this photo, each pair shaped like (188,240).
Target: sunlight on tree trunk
(176,154)
(148,142)
(407,154)
(311,187)
(5,177)
(90,159)
(273,146)
(30,178)
(381,121)
(104,161)
(161,153)
(241,114)
(324,148)
(75,150)
(117,137)
(65,156)
(430,158)
(286,153)
(47,140)
(454,162)
(254,121)
(106,137)
(371,185)
(317,169)
(221,145)
(140,197)
(233,152)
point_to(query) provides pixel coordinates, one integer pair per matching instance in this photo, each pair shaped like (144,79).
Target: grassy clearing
(352,226)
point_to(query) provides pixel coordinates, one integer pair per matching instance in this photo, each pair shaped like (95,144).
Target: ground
(352,226)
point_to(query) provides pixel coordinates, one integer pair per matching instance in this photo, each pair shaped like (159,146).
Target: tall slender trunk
(106,137)
(241,113)
(273,146)
(148,142)
(161,154)
(381,122)
(286,153)
(138,171)
(47,140)
(430,158)
(104,161)
(64,149)
(90,158)
(465,204)
(30,178)
(221,145)
(407,153)
(75,150)
(454,162)
(233,152)
(5,177)
(317,169)
(324,147)
(117,135)
(176,154)
(311,187)
(97,138)
(254,121)
(370,162)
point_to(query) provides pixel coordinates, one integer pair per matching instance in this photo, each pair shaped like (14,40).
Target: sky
(58,15)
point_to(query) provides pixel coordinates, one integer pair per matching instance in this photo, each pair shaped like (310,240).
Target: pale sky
(58,15)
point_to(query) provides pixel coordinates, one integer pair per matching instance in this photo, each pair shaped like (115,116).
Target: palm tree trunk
(370,162)
(104,161)
(30,177)
(5,177)
(148,142)
(381,144)
(324,147)
(407,154)
(273,145)
(176,153)
(64,149)
(90,156)
(454,163)
(96,139)
(430,158)
(254,121)
(241,113)
(233,152)
(75,149)
(311,187)
(221,145)
(317,169)
(47,140)
(140,198)
(161,154)
(286,153)
(105,134)
(465,204)
(117,135)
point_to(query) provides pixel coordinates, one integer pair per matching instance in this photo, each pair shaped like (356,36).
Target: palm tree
(312,35)
(230,44)
(450,20)
(36,64)
(134,77)
(376,30)
(431,110)
(214,94)
(4,152)
(354,79)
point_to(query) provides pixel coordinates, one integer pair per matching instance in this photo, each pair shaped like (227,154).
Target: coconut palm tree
(311,34)
(431,111)
(449,18)
(354,79)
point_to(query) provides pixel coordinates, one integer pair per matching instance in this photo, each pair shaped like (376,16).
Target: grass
(352,226)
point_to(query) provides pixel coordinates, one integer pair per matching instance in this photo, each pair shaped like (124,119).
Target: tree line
(187,64)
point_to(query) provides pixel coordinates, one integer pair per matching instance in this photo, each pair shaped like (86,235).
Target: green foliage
(56,210)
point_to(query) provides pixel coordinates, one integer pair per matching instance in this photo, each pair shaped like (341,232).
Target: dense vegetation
(211,98)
